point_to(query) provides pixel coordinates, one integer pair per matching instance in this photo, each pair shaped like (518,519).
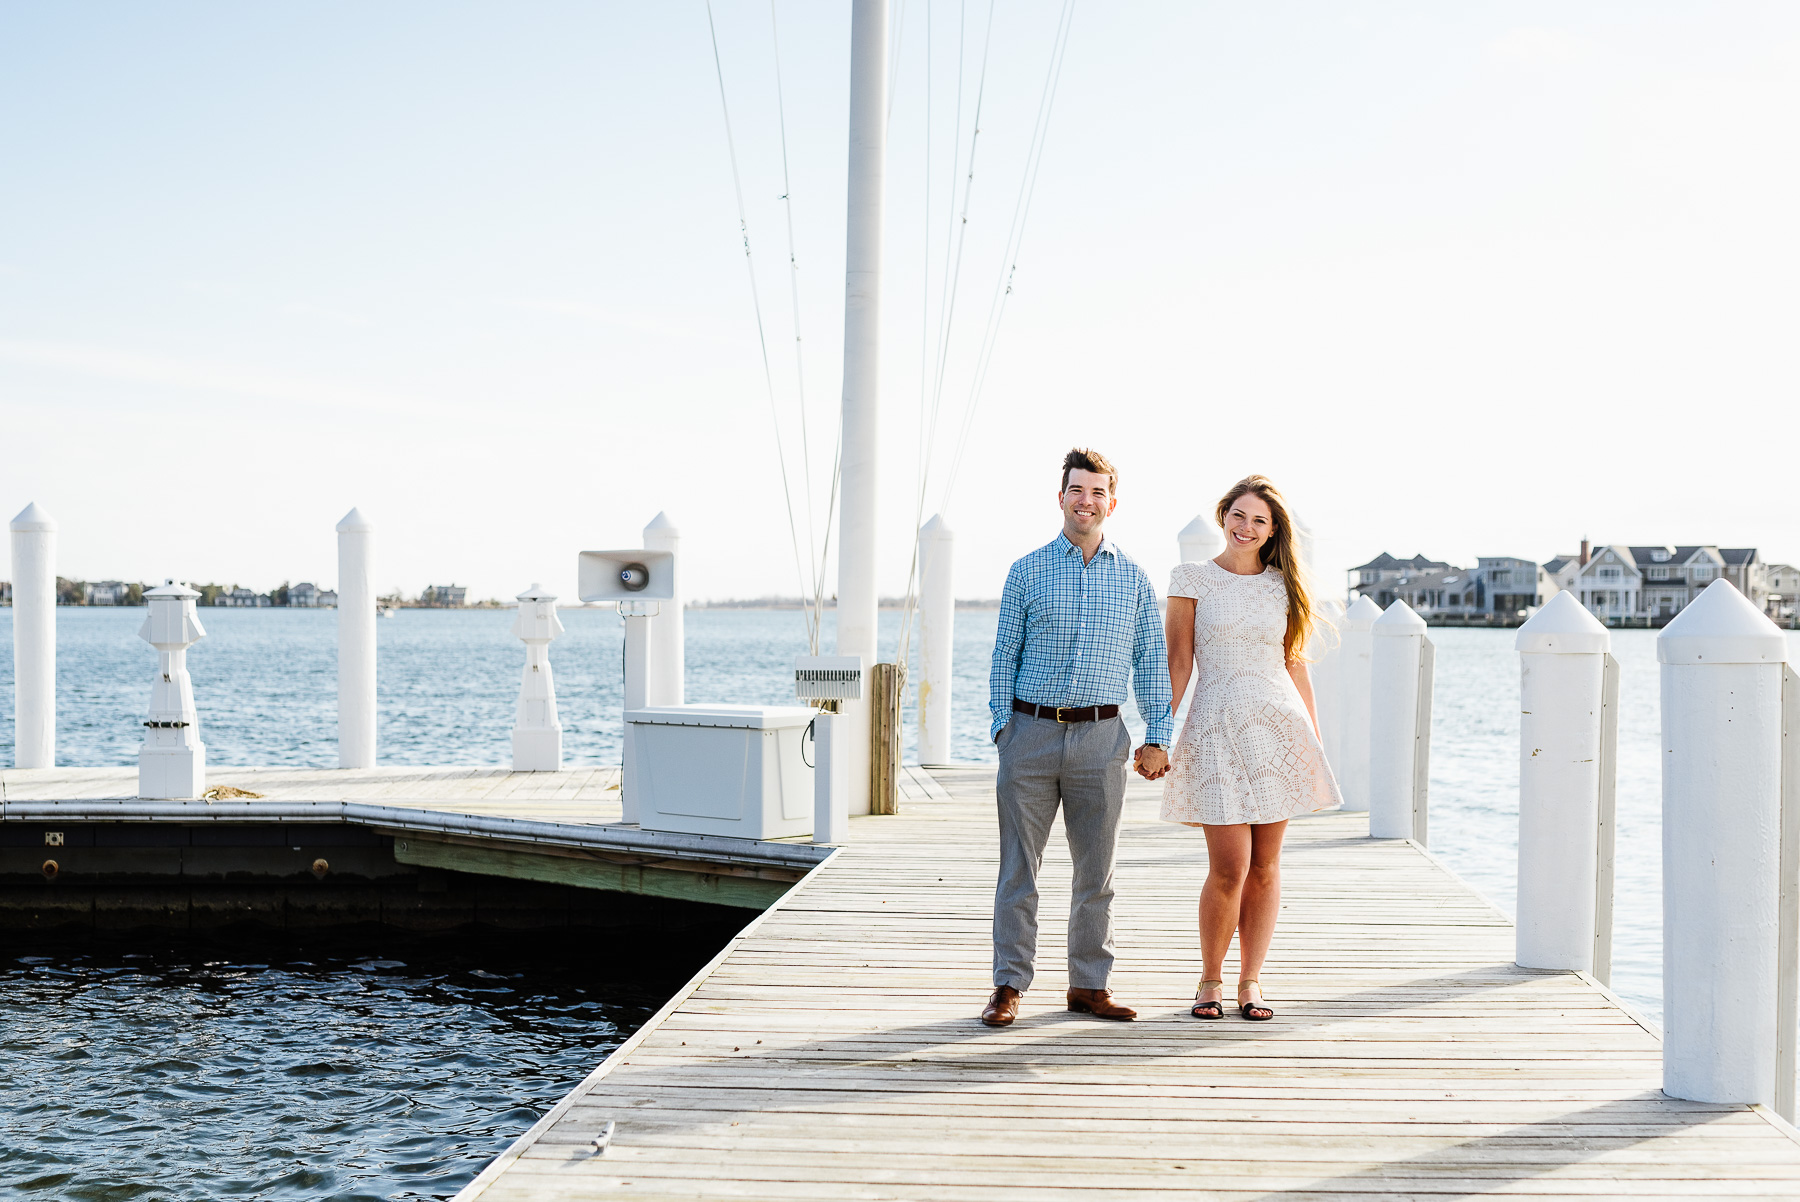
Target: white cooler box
(722,769)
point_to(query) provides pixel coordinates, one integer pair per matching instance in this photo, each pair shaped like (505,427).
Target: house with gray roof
(1648,585)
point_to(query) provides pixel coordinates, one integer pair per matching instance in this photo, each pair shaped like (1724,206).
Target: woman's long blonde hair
(1281,554)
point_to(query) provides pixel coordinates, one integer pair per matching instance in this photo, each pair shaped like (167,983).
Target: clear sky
(1464,279)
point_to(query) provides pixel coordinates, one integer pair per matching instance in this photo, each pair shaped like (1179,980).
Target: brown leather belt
(1067,713)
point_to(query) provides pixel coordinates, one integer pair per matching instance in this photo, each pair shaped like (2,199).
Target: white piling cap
(936,528)
(33,520)
(1398,619)
(536,593)
(1721,626)
(662,525)
(355,523)
(1563,627)
(168,588)
(1362,613)
(1202,530)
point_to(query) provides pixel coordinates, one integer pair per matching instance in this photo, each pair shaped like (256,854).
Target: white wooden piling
(1199,540)
(356,641)
(640,662)
(1353,694)
(1562,658)
(937,639)
(537,728)
(669,663)
(1395,738)
(1722,662)
(172,760)
(831,782)
(34,638)
(1326,650)
(861,421)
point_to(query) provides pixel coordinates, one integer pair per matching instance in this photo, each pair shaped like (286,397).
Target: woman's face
(1248,523)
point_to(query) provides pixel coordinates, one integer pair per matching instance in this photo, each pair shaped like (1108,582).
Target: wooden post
(1421,792)
(1606,828)
(887,687)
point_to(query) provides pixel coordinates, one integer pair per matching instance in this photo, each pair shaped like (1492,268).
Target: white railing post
(831,779)
(172,761)
(356,641)
(1354,696)
(1421,784)
(1787,923)
(537,729)
(34,638)
(640,662)
(1562,669)
(1395,659)
(1326,647)
(1722,669)
(669,661)
(1199,540)
(1607,826)
(937,636)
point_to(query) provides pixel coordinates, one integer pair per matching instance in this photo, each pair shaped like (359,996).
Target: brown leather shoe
(1002,1008)
(1099,1003)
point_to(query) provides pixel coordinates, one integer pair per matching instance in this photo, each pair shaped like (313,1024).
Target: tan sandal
(1216,1006)
(1245,1008)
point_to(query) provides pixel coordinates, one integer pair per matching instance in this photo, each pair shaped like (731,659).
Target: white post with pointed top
(1326,650)
(1199,540)
(1562,657)
(1354,699)
(356,641)
(668,656)
(172,761)
(1397,643)
(537,730)
(937,637)
(1721,663)
(34,638)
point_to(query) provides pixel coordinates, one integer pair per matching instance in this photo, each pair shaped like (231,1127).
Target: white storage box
(722,769)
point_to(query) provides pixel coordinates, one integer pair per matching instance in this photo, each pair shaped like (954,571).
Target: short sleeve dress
(1247,752)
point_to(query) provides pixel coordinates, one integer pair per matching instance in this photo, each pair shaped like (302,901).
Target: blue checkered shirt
(1072,633)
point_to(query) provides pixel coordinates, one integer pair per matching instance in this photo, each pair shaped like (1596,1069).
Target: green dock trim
(744,892)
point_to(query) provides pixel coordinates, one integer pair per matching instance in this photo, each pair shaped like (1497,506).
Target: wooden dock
(832,1050)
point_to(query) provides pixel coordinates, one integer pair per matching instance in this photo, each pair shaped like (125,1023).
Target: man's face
(1086,502)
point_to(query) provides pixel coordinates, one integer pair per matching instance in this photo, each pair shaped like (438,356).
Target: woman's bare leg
(1228,858)
(1261,902)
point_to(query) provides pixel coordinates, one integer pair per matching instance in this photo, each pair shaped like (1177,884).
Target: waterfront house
(307,595)
(243,598)
(5,592)
(106,592)
(1781,593)
(1561,570)
(1508,588)
(1648,585)
(1377,578)
(444,595)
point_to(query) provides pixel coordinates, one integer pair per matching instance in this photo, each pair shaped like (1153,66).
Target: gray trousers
(1081,766)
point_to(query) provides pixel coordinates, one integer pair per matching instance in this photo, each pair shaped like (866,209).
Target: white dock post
(356,641)
(537,730)
(1562,661)
(860,447)
(937,639)
(1326,647)
(831,780)
(640,660)
(34,638)
(1353,690)
(1396,742)
(1722,662)
(669,660)
(172,761)
(1199,540)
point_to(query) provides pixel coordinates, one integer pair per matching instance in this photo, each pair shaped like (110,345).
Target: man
(1077,618)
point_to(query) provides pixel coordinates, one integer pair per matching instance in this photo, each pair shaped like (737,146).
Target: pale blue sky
(1465,279)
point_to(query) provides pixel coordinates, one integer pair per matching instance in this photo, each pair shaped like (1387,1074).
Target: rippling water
(345,1066)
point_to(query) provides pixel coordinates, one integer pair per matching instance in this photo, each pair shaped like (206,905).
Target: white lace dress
(1247,752)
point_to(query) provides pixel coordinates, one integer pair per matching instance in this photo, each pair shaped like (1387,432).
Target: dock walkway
(832,1050)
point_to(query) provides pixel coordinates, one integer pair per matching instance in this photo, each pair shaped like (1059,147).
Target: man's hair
(1090,460)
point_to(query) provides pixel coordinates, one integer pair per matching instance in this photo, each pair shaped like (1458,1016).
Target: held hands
(1151,762)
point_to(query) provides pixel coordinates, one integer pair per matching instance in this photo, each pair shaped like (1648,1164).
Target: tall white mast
(856,602)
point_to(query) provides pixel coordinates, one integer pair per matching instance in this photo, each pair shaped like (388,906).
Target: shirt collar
(1063,545)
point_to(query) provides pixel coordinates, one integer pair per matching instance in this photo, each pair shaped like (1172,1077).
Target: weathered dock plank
(832,1050)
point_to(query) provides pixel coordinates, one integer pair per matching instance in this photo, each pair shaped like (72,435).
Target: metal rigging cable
(756,302)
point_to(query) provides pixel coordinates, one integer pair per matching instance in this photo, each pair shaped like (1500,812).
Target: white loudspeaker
(630,575)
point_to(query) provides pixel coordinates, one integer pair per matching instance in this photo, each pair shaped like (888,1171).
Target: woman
(1249,756)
